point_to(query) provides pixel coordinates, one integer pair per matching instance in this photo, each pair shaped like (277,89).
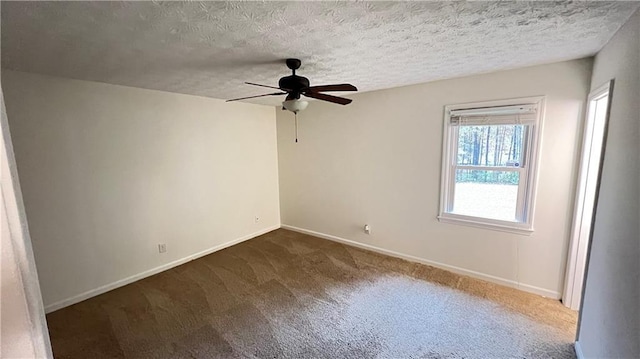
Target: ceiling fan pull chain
(295,114)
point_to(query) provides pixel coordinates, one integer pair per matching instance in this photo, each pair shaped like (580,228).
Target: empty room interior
(320,179)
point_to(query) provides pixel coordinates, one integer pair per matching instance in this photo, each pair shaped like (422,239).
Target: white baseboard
(578,349)
(540,291)
(122,282)
(489,278)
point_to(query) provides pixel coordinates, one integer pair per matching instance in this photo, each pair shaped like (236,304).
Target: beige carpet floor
(288,295)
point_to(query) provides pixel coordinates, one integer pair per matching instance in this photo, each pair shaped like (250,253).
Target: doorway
(593,144)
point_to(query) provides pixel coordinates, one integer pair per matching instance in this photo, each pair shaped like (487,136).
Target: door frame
(582,216)
(20,252)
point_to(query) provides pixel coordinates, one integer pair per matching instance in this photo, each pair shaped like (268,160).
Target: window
(489,164)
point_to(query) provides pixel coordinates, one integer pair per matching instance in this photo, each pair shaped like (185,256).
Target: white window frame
(525,206)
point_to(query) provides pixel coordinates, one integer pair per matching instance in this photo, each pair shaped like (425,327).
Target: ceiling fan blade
(267,86)
(267,94)
(329,98)
(329,88)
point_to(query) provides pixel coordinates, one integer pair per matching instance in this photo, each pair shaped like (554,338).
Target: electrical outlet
(162,248)
(257,219)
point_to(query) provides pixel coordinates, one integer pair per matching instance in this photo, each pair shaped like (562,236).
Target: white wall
(108,172)
(610,317)
(378,161)
(23,327)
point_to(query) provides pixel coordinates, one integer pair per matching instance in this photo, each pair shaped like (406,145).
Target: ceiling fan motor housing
(294,84)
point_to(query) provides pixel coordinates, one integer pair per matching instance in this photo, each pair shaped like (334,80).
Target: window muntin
(489,164)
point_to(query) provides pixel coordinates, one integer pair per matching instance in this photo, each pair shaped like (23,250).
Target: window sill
(485,225)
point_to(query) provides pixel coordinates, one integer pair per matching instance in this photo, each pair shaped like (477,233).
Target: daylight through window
(488,165)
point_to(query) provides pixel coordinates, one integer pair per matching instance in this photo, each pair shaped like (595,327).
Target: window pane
(486,194)
(495,145)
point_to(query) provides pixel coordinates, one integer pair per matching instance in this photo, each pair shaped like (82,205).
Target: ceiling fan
(295,86)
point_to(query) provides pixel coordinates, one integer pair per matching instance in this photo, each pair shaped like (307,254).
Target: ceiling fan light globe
(295,105)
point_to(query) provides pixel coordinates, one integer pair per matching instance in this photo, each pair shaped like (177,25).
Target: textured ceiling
(211,48)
